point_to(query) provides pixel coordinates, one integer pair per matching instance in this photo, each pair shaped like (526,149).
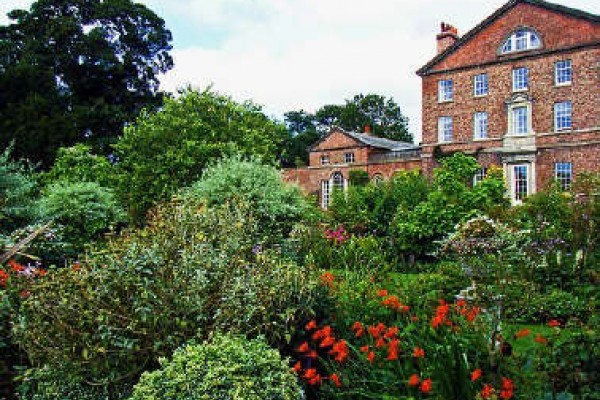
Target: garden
(185,268)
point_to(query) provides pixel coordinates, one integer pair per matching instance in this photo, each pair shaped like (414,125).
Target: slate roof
(497,14)
(372,141)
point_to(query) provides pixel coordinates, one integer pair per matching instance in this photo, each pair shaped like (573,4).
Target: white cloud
(293,54)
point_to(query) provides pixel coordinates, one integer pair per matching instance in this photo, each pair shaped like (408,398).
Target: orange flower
(487,391)
(377,331)
(322,333)
(297,367)
(358,329)
(312,324)
(554,323)
(336,380)
(371,357)
(391,332)
(392,302)
(356,326)
(380,343)
(312,354)
(76,266)
(328,341)
(418,352)
(414,380)
(310,373)
(425,386)
(522,333)
(15,266)
(382,293)
(540,339)
(327,279)
(405,309)
(475,375)
(471,315)
(364,349)
(303,348)
(393,350)
(340,351)
(507,388)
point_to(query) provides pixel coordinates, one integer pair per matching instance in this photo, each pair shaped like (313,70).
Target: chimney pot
(447,37)
(368,129)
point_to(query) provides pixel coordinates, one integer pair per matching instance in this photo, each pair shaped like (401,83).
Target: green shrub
(192,269)
(51,383)
(85,210)
(18,188)
(79,164)
(227,368)
(358,177)
(277,206)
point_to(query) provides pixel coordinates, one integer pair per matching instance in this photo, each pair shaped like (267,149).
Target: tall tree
(82,69)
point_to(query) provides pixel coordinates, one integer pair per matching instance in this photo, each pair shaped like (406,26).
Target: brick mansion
(521,91)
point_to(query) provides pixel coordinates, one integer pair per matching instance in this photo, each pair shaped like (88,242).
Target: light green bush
(277,206)
(227,368)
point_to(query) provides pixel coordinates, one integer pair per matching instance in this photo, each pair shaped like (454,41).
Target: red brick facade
(527,138)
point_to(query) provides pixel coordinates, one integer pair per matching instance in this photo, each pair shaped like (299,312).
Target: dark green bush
(192,269)
(227,368)
(79,164)
(358,177)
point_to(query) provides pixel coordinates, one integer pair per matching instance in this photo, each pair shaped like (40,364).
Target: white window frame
(480,125)
(522,39)
(563,73)
(520,79)
(563,174)
(563,116)
(479,176)
(480,85)
(325,194)
(349,157)
(520,124)
(324,160)
(445,90)
(520,182)
(445,129)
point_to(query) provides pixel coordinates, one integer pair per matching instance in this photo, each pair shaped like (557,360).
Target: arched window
(377,179)
(521,40)
(337,181)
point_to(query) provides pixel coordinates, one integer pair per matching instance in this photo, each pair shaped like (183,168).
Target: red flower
(377,331)
(475,375)
(425,386)
(418,352)
(382,293)
(340,351)
(335,379)
(371,357)
(312,376)
(392,302)
(15,266)
(76,266)
(356,326)
(24,294)
(303,348)
(358,329)
(522,333)
(540,339)
(506,394)
(312,324)
(3,277)
(364,349)
(554,323)
(312,354)
(328,341)
(297,367)
(487,391)
(380,343)
(322,333)
(507,384)
(414,380)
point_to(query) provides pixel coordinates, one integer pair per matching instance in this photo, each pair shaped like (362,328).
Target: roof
(497,14)
(372,141)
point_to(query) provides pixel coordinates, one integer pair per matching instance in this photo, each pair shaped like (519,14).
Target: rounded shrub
(229,367)
(86,210)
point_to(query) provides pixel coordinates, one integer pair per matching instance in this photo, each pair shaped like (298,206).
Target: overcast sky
(301,54)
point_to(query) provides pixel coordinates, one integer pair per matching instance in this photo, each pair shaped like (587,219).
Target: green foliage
(169,149)
(74,71)
(237,369)
(18,188)
(370,208)
(450,201)
(359,177)
(50,383)
(79,164)
(190,271)
(85,210)
(276,205)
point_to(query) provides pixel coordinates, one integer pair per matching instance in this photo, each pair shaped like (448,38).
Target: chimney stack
(447,37)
